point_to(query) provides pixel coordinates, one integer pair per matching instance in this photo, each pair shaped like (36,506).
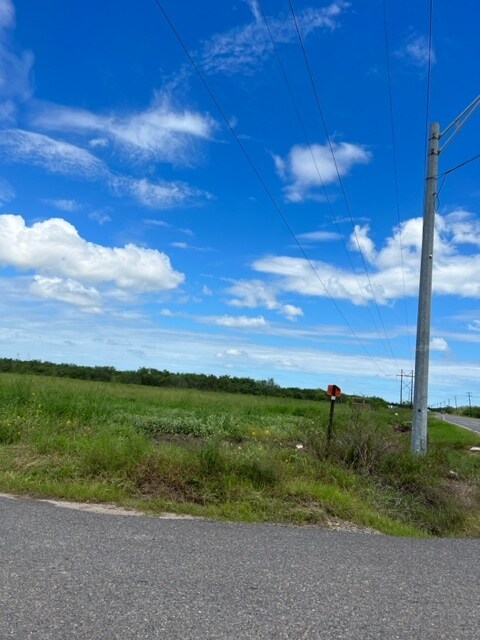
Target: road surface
(462,421)
(67,574)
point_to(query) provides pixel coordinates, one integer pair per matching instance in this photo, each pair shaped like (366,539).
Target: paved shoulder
(83,575)
(462,421)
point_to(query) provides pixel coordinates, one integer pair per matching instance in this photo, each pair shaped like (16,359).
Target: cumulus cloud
(305,169)
(160,132)
(454,273)
(244,48)
(255,293)
(55,251)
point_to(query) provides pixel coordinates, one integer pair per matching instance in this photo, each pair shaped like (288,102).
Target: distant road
(469,423)
(74,575)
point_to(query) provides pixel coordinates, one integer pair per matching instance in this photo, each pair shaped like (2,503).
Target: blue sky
(134,231)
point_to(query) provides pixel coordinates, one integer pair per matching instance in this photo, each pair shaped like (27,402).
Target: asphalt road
(68,574)
(469,423)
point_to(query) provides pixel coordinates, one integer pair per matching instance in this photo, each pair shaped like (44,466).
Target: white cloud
(53,155)
(318,236)
(64,204)
(64,158)
(160,132)
(453,273)
(474,326)
(158,195)
(7,14)
(8,112)
(100,216)
(242,49)
(7,192)
(239,321)
(235,353)
(307,168)
(255,293)
(53,248)
(360,241)
(15,69)
(156,223)
(438,344)
(416,51)
(67,290)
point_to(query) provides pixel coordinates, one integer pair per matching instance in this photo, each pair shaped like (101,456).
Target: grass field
(235,457)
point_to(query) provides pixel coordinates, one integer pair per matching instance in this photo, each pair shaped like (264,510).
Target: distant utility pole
(469,394)
(456,407)
(406,384)
(422,350)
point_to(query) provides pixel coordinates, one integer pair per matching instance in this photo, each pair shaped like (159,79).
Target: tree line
(157,378)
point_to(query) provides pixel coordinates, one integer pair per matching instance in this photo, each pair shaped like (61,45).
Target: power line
(459,166)
(395,170)
(314,159)
(342,186)
(259,176)
(446,173)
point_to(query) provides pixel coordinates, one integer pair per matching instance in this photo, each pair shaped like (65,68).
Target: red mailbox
(334,391)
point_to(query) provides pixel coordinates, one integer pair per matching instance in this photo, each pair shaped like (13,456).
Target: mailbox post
(334,392)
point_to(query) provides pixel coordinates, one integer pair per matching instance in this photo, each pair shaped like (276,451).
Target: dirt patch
(465,495)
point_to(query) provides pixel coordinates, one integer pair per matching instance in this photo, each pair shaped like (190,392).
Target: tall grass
(231,456)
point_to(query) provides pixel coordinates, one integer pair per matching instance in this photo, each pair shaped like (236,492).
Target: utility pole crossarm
(458,123)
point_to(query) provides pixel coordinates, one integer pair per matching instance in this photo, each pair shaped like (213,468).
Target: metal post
(330,422)
(422,351)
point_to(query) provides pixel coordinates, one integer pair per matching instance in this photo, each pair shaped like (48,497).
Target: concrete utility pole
(422,350)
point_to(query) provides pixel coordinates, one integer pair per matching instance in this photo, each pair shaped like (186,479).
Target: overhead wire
(261,179)
(337,171)
(459,166)
(312,154)
(395,172)
(446,173)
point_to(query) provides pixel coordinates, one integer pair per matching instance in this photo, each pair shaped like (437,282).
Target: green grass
(245,458)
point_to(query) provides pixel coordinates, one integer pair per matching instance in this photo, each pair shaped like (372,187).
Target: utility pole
(422,350)
(406,383)
(469,394)
(456,407)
